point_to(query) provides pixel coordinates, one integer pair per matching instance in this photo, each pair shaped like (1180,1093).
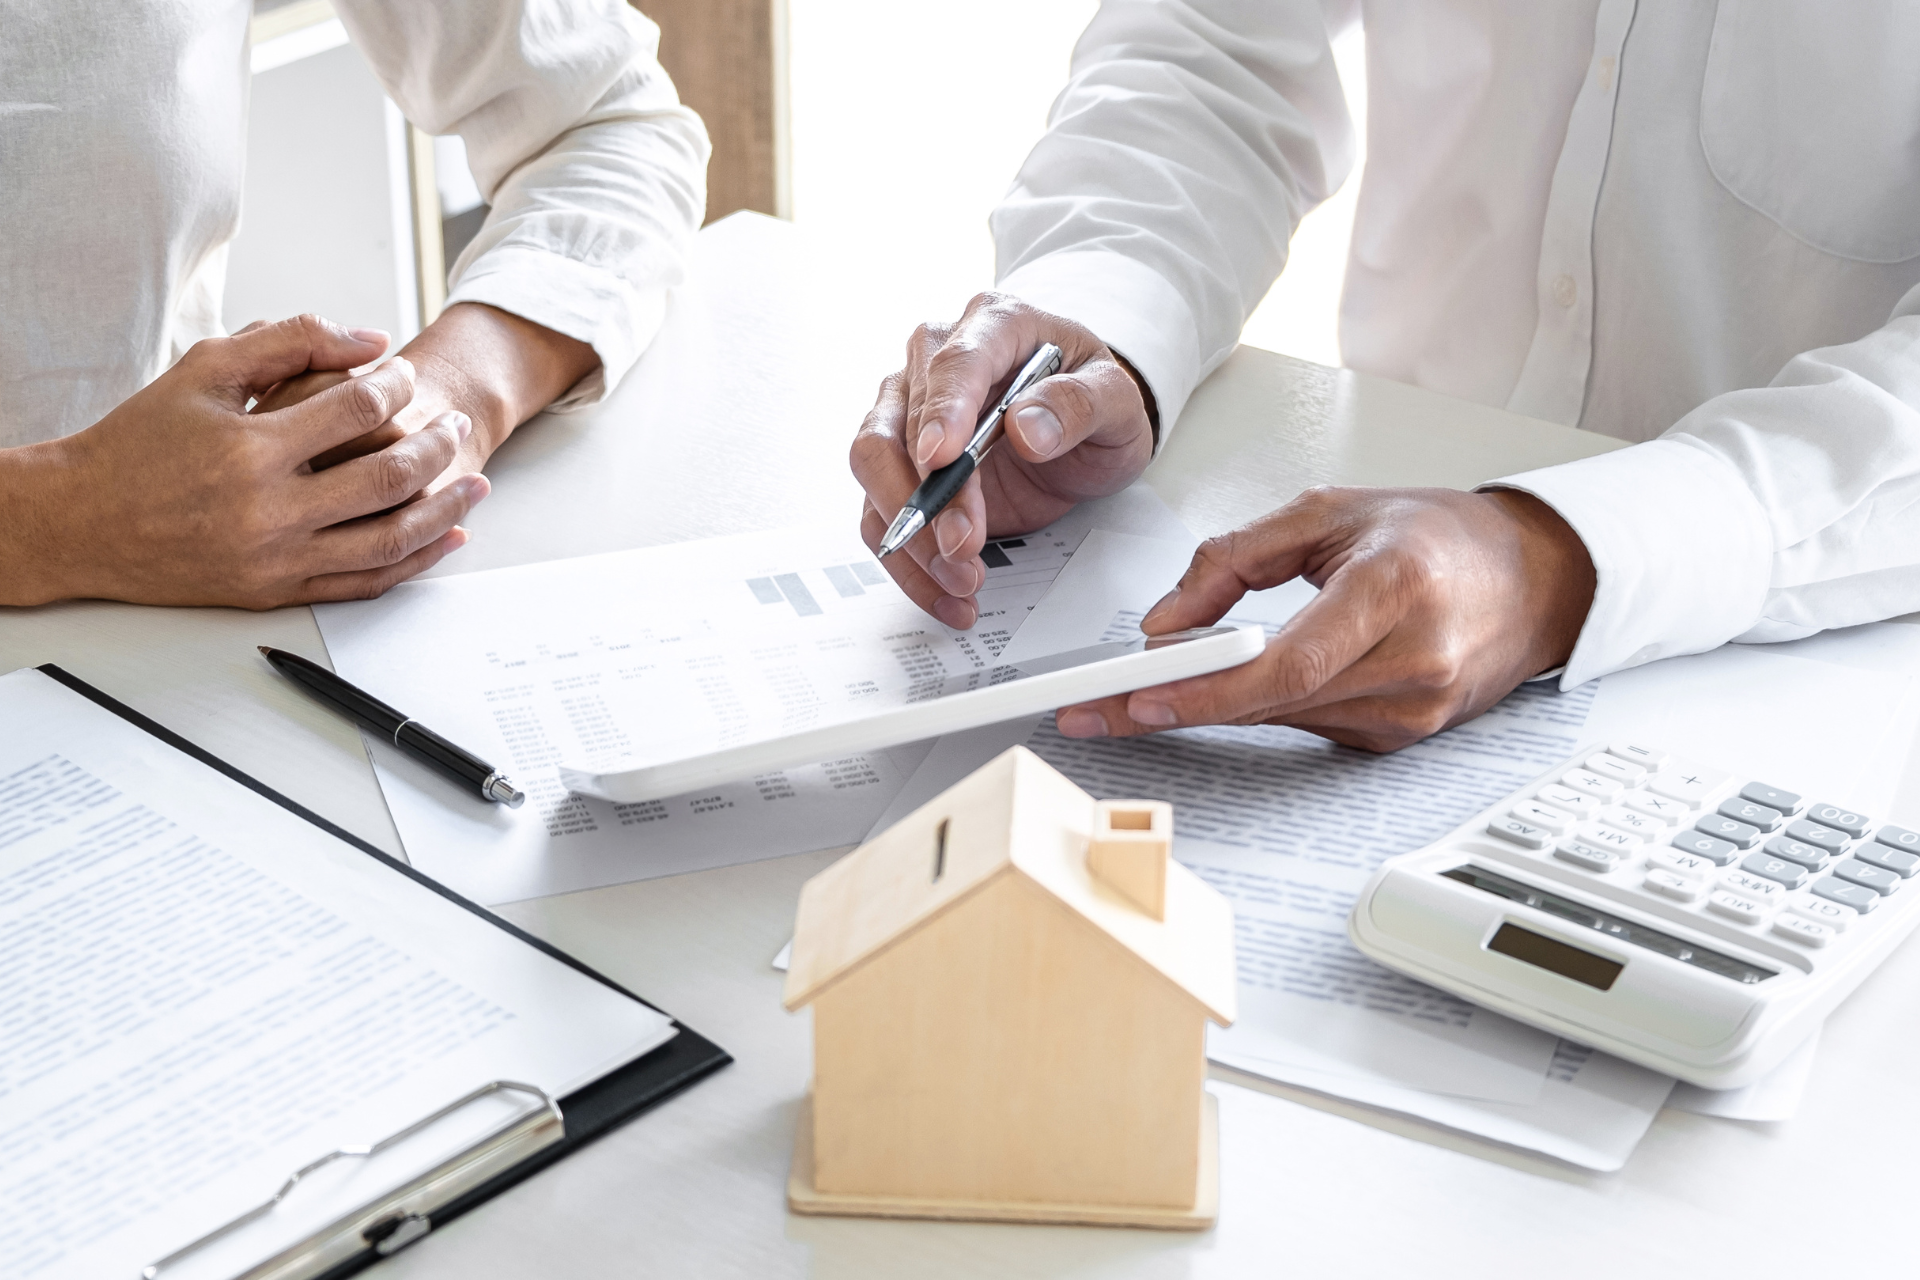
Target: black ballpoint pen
(939,488)
(403,731)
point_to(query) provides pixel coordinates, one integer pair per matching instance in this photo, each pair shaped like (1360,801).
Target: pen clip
(1043,363)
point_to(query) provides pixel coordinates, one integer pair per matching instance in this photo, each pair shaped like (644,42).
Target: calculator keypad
(1744,851)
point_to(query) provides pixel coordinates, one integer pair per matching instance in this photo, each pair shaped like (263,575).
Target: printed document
(201,992)
(664,652)
(1289,827)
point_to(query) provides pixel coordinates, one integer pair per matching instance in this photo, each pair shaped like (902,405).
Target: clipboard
(506,1155)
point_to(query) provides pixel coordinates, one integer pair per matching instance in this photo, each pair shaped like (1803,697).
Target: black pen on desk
(939,488)
(403,731)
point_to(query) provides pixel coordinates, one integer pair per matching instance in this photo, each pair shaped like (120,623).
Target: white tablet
(959,702)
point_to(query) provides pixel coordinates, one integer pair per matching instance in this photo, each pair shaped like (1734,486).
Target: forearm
(495,367)
(38,561)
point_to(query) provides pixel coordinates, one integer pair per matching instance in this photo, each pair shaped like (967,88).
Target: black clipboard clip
(396,1220)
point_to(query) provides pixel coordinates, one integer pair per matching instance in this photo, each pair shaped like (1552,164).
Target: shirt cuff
(1130,307)
(586,303)
(1682,551)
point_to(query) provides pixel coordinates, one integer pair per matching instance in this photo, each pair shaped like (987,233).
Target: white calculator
(1685,918)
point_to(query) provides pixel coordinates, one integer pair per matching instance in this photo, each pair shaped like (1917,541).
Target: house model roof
(1016,816)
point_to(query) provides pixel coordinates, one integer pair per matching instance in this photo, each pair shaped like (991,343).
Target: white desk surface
(737,419)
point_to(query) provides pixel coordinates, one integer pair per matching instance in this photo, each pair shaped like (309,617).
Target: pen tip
(266,651)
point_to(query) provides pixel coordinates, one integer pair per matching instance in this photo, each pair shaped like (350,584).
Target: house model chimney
(1129,848)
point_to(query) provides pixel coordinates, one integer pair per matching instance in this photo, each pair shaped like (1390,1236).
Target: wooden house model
(1010,991)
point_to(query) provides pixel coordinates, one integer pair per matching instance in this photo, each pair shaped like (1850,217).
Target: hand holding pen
(1080,433)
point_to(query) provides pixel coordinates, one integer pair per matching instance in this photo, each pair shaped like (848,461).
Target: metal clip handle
(549,1110)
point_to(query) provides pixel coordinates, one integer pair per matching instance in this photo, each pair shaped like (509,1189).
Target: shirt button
(1565,290)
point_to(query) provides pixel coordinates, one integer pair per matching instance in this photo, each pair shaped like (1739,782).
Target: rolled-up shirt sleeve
(1765,514)
(1192,137)
(594,171)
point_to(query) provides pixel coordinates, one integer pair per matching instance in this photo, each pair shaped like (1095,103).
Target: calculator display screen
(1555,956)
(1616,928)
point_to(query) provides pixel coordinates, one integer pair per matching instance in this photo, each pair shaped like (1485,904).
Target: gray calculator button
(1717,851)
(1857,896)
(1878,879)
(1898,861)
(1832,815)
(1734,833)
(1898,837)
(1793,851)
(1790,874)
(1807,832)
(1754,815)
(1585,855)
(1772,797)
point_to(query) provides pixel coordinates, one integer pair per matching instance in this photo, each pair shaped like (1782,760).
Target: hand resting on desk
(1081,434)
(332,488)
(1433,605)
(179,496)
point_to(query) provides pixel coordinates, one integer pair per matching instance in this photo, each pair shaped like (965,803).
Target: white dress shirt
(1691,227)
(123,137)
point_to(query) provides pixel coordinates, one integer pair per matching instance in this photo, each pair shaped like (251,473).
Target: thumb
(1260,554)
(1096,403)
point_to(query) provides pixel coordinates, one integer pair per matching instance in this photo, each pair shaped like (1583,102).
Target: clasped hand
(1433,603)
(181,496)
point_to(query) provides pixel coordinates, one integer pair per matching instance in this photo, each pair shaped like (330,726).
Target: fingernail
(1078,722)
(1039,428)
(956,613)
(928,444)
(476,488)
(462,425)
(952,530)
(457,537)
(1158,714)
(1165,603)
(375,337)
(955,579)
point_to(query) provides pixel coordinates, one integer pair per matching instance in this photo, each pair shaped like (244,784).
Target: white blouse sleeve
(595,173)
(1192,137)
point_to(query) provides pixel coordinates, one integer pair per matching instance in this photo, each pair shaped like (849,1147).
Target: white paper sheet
(1775,1096)
(664,651)
(201,992)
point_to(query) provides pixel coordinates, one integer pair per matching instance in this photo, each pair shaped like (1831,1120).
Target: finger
(958,612)
(985,348)
(878,455)
(362,486)
(260,355)
(291,391)
(1353,613)
(922,344)
(959,534)
(1260,554)
(880,463)
(339,414)
(358,447)
(1096,404)
(379,542)
(366,584)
